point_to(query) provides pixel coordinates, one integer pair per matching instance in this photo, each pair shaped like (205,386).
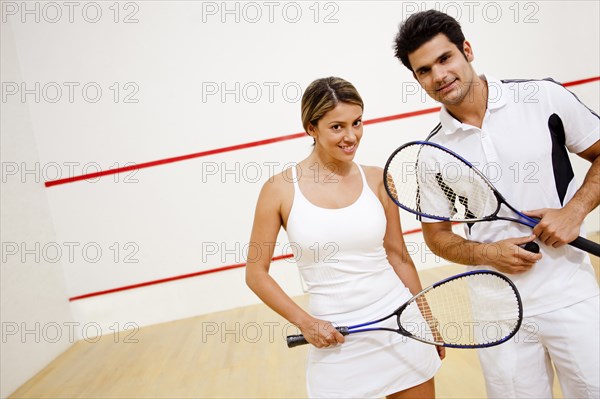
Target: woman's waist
(358,300)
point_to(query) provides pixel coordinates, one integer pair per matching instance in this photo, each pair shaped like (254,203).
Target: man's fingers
(523,240)
(536,213)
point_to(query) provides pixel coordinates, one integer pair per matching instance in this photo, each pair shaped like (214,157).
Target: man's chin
(453,99)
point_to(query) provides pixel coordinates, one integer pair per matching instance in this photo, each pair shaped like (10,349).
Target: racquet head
(431,181)
(471,310)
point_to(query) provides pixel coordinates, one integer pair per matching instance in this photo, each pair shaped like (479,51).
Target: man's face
(443,71)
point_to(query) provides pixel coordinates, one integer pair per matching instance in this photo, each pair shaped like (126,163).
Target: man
(523,129)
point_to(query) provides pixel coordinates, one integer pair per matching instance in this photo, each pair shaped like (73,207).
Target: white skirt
(370,365)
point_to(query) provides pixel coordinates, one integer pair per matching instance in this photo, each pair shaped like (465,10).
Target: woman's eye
(358,122)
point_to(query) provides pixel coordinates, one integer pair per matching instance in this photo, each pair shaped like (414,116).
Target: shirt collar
(496,100)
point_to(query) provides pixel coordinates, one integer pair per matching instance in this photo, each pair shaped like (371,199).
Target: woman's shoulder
(374,177)
(373,173)
(280,181)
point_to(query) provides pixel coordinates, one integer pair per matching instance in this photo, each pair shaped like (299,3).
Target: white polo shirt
(521,149)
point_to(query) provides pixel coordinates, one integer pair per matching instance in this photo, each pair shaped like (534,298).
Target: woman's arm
(267,223)
(393,241)
(395,247)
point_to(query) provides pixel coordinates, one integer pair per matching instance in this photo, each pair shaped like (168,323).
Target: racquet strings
(430,181)
(477,309)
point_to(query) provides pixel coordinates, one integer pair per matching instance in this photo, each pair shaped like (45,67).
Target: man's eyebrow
(445,54)
(425,68)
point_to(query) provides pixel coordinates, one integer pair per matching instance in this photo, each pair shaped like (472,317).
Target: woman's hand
(321,333)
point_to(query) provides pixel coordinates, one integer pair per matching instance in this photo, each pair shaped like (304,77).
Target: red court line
(253,144)
(184,276)
(582,81)
(171,160)
(221,150)
(168,279)
(402,116)
(233,148)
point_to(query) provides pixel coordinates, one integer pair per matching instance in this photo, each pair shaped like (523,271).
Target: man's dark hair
(420,28)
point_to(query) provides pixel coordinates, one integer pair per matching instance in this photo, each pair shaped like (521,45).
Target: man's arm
(505,255)
(558,227)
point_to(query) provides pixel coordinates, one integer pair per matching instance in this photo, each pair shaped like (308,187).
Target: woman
(349,247)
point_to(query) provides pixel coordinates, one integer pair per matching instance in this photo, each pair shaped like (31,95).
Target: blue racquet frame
(296,340)
(580,242)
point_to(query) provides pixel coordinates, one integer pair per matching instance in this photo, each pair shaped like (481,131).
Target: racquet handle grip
(297,340)
(586,245)
(531,247)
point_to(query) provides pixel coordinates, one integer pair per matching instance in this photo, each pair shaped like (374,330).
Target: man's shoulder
(549,81)
(531,85)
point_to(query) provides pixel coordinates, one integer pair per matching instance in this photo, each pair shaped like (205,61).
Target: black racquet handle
(297,340)
(582,243)
(531,247)
(586,245)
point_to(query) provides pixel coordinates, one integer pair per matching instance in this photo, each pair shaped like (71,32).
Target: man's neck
(471,110)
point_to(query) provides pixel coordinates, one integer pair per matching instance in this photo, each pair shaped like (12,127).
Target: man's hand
(556,227)
(508,257)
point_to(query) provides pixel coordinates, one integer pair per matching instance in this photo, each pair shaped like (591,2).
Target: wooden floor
(239,353)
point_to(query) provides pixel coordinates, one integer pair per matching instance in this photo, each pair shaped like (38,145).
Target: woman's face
(338,132)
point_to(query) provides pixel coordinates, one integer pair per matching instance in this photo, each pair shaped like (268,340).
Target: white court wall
(35,314)
(109,84)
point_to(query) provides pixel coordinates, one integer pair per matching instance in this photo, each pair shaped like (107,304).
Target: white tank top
(341,258)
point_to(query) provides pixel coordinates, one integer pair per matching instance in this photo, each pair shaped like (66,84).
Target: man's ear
(468,51)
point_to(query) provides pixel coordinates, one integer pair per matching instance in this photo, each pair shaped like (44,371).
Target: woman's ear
(312,131)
